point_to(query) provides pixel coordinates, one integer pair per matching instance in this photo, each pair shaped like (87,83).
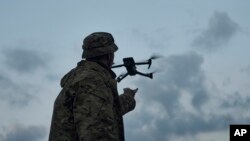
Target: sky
(202,82)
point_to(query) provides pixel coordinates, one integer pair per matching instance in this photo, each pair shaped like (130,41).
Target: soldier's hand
(130,92)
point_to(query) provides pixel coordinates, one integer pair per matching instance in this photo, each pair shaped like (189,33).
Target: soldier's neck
(104,63)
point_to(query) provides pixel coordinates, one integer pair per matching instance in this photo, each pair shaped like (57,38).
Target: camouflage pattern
(88,107)
(97,44)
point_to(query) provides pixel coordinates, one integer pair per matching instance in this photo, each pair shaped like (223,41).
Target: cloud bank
(13,93)
(22,133)
(220,30)
(23,60)
(18,78)
(179,102)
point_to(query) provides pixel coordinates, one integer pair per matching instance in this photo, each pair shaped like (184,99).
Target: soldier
(88,108)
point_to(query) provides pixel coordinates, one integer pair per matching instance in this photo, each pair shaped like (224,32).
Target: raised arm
(127,100)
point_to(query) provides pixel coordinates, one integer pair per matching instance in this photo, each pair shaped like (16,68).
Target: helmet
(97,44)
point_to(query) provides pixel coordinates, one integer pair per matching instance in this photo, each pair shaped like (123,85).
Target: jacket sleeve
(92,111)
(127,103)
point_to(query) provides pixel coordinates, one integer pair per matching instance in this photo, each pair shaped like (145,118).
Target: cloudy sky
(202,85)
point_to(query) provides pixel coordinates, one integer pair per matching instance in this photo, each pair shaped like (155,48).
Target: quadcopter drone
(130,66)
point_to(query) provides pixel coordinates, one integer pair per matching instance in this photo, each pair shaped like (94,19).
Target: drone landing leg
(121,77)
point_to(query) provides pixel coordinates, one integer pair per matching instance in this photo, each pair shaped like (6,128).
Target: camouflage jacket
(88,107)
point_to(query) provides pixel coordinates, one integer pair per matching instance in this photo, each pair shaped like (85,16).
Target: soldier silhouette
(88,108)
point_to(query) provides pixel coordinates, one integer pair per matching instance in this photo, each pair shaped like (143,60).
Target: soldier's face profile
(111,59)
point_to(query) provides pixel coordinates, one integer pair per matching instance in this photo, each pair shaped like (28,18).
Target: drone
(130,66)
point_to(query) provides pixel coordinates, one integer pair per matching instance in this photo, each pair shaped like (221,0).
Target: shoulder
(88,76)
(94,84)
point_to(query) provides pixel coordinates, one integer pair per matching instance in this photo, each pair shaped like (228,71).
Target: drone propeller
(149,61)
(155,56)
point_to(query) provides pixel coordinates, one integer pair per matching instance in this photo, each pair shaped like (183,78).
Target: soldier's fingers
(135,90)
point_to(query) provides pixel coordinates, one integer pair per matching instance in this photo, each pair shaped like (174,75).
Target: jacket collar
(97,66)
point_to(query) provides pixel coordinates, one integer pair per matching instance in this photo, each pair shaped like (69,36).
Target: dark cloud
(176,102)
(183,72)
(19,69)
(21,133)
(218,33)
(23,60)
(237,101)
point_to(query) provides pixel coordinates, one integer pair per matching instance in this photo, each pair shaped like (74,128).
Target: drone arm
(121,77)
(141,63)
(149,62)
(116,66)
(150,75)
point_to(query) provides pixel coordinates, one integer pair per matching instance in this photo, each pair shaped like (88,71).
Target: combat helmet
(97,44)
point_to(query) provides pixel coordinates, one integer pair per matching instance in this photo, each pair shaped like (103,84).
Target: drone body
(130,66)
